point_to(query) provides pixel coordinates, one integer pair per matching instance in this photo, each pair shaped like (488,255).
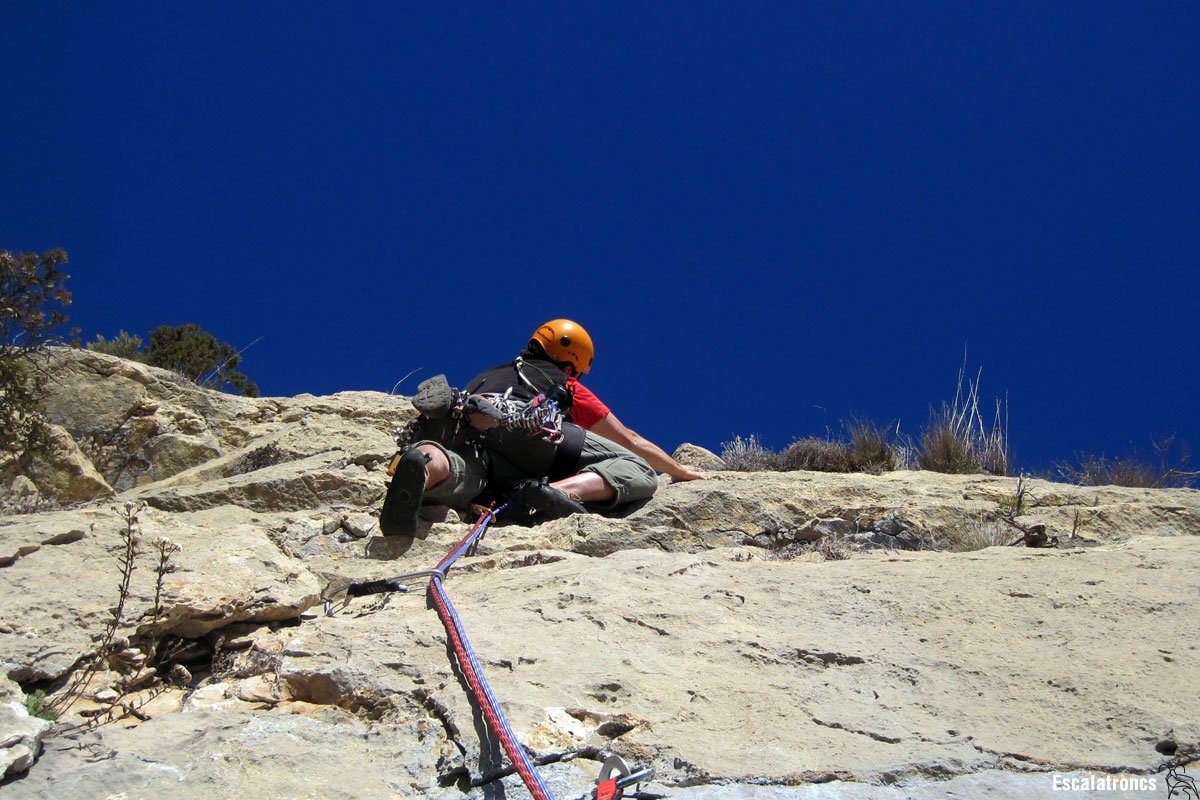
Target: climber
(478,443)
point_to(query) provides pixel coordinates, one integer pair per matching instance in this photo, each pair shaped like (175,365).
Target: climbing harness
(542,416)
(609,788)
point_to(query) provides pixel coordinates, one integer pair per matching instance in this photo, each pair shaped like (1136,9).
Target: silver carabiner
(626,776)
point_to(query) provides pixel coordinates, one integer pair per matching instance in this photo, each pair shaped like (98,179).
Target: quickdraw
(609,788)
(537,417)
(403,436)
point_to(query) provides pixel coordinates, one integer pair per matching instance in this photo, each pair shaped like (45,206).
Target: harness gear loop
(540,416)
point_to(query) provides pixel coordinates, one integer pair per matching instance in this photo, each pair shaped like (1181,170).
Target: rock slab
(770,636)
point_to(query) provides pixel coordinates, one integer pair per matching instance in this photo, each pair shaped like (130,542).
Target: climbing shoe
(533,501)
(434,398)
(403,499)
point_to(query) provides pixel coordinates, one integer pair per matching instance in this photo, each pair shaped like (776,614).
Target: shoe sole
(403,499)
(434,397)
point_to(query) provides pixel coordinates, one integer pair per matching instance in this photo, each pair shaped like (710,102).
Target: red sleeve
(586,409)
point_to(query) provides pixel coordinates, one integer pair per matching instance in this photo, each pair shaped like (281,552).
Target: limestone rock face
(62,474)
(759,636)
(20,734)
(697,457)
(144,427)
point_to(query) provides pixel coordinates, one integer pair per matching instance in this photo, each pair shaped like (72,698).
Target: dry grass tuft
(749,455)
(868,450)
(872,446)
(1171,471)
(957,439)
(817,455)
(1098,470)
(984,533)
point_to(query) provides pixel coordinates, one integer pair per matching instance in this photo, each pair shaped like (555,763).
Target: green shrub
(23,428)
(187,350)
(124,345)
(33,296)
(1012,505)
(36,705)
(196,354)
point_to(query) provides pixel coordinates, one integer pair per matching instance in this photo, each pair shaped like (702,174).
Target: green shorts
(632,477)
(474,468)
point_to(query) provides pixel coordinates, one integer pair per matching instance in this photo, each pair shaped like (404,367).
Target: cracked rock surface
(708,633)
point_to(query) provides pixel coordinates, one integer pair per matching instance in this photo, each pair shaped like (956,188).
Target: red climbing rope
(473,672)
(470,664)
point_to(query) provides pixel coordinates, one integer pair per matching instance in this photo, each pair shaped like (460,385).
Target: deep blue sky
(771,216)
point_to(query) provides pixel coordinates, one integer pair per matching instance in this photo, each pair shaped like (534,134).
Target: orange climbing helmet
(564,340)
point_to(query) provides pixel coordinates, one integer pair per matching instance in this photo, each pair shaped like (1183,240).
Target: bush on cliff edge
(33,296)
(187,350)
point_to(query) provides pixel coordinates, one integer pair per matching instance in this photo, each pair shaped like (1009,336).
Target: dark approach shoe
(534,501)
(403,500)
(434,397)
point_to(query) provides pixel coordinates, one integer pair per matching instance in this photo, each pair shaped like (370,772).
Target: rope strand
(469,663)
